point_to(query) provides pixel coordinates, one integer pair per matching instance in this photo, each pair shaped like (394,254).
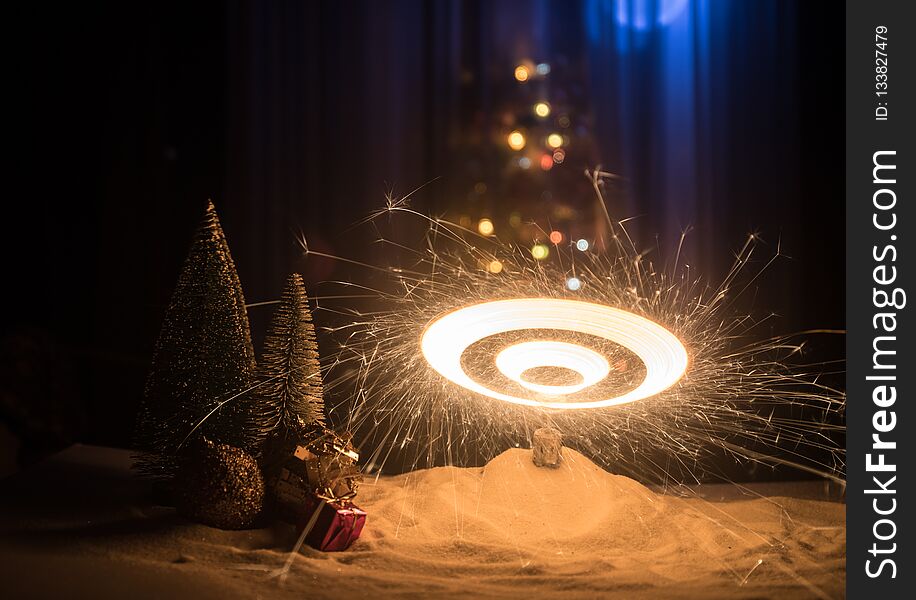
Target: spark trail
(742,395)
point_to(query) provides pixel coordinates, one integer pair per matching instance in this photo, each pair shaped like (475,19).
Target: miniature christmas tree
(289,375)
(203,365)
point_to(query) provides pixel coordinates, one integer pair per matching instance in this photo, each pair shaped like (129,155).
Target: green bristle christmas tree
(289,374)
(203,366)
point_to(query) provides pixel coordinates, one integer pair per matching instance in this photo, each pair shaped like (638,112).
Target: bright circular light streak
(582,245)
(573,284)
(518,358)
(447,337)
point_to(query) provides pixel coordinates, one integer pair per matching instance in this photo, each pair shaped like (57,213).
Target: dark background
(300,116)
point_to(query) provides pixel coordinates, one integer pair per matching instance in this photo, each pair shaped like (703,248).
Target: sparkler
(447,338)
(650,370)
(516,360)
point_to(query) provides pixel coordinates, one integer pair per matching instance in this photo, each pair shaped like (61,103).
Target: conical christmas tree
(289,376)
(203,366)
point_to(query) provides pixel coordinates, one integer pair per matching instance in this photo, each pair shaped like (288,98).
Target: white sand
(508,530)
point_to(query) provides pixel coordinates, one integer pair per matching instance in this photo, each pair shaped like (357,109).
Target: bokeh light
(485,227)
(559,156)
(524,162)
(582,244)
(540,251)
(516,140)
(495,267)
(554,140)
(573,284)
(546,162)
(521,73)
(555,237)
(542,109)
(563,211)
(543,68)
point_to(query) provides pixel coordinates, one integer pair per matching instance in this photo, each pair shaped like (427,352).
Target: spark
(417,379)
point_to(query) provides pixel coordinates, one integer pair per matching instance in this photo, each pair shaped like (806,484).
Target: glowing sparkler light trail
(445,339)
(518,358)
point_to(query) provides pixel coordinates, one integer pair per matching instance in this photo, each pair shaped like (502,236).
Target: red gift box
(330,526)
